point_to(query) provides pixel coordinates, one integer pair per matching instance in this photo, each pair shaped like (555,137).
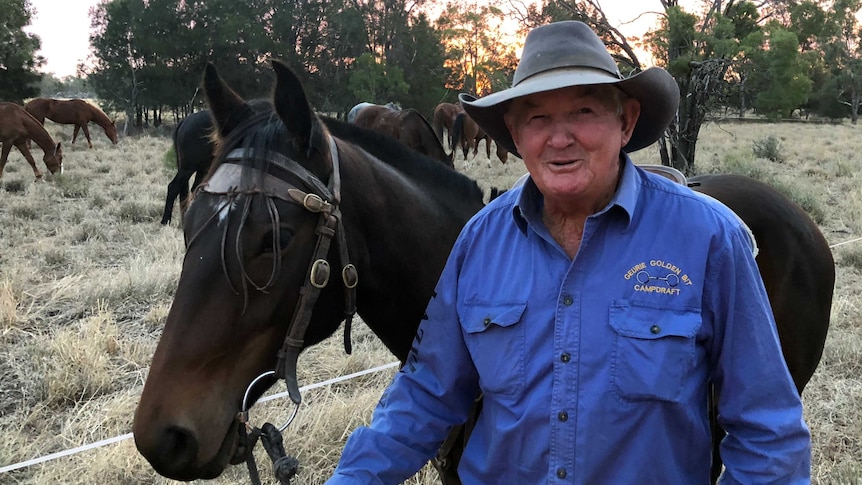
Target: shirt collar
(528,208)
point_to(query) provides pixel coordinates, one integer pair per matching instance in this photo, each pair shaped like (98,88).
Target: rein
(318,198)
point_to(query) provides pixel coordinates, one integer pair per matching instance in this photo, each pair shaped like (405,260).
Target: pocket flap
(477,317)
(637,321)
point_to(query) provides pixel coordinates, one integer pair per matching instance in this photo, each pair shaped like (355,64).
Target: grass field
(87,275)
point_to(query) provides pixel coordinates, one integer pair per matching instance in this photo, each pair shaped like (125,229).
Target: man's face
(570,140)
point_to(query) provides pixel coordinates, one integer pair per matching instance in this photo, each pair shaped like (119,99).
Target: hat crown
(560,45)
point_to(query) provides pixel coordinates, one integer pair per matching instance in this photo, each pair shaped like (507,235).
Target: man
(593,306)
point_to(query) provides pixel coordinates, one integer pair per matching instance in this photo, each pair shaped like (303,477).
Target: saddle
(667,172)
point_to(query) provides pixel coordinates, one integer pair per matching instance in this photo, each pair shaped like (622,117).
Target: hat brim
(654,88)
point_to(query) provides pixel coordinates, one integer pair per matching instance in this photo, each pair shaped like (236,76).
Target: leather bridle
(316,197)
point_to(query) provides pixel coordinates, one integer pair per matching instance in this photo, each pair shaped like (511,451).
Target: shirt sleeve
(433,391)
(758,406)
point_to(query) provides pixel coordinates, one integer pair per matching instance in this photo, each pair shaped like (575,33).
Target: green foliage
(478,60)
(781,78)
(26,212)
(374,82)
(169,159)
(769,148)
(741,164)
(803,197)
(134,211)
(19,79)
(14,186)
(851,257)
(72,187)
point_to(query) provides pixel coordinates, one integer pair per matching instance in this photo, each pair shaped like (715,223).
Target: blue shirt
(594,370)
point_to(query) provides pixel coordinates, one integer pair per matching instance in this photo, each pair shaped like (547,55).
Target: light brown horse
(72,112)
(407,126)
(17,126)
(444,117)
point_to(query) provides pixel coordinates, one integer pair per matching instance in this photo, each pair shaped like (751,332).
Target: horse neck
(99,117)
(39,134)
(412,227)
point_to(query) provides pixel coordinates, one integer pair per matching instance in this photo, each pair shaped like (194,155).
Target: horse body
(17,127)
(194,152)
(465,133)
(72,112)
(407,126)
(251,236)
(444,118)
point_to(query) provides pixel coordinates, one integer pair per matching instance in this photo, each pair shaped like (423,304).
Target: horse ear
(228,109)
(291,104)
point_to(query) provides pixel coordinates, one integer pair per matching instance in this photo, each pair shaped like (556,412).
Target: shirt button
(655,329)
(487,321)
(561,473)
(563,416)
(567,300)
(565,357)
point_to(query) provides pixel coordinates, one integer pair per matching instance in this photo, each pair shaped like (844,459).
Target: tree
(843,54)
(18,60)
(420,54)
(781,81)
(479,61)
(376,82)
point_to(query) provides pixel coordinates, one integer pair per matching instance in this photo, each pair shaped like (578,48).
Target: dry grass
(87,274)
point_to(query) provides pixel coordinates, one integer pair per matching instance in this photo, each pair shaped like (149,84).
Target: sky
(64,28)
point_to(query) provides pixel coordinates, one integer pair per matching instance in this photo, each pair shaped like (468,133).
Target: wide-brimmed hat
(569,53)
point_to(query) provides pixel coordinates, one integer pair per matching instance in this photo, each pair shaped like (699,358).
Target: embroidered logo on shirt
(657,276)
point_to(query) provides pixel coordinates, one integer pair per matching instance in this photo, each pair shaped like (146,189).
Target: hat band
(579,75)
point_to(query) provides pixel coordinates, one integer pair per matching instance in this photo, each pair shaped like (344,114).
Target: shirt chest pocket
(654,350)
(494,334)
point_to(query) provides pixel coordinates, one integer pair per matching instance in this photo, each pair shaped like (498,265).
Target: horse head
(253,251)
(53,159)
(111,130)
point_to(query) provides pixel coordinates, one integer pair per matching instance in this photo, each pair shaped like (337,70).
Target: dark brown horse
(284,183)
(465,133)
(398,209)
(407,126)
(17,127)
(502,153)
(193,149)
(72,112)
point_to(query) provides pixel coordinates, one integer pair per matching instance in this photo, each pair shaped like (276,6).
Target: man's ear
(629,118)
(509,120)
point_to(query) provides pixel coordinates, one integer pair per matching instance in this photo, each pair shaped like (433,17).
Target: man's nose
(562,135)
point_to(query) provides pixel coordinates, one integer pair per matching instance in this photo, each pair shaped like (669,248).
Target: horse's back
(38,108)
(795,262)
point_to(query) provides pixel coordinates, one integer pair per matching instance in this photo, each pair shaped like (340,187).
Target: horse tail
(438,123)
(458,134)
(434,142)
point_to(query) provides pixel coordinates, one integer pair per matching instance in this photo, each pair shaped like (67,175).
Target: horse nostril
(176,453)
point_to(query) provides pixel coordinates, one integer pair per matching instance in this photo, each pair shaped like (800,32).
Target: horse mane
(99,116)
(435,175)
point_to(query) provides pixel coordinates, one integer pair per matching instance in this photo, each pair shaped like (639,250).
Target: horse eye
(268,243)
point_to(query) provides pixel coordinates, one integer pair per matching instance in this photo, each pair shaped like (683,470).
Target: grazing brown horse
(254,289)
(407,126)
(502,153)
(444,118)
(17,126)
(72,112)
(464,133)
